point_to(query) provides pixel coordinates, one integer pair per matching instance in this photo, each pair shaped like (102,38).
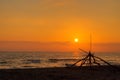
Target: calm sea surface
(48,59)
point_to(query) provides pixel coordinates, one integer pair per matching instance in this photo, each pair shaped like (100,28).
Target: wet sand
(84,73)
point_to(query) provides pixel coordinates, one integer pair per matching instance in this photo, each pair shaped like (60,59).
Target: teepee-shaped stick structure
(90,60)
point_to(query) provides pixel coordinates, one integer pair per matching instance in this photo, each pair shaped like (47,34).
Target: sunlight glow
(76,40)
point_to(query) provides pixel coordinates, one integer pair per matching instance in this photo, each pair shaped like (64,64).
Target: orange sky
(55,24)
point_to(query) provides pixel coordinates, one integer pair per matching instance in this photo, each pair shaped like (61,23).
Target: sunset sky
(52,25)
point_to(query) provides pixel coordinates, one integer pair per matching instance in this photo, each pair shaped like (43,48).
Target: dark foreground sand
(84,73)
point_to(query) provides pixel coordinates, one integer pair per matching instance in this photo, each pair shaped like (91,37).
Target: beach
(62,73)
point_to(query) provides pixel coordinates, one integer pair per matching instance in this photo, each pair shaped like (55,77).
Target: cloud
(33,46)
(56,46)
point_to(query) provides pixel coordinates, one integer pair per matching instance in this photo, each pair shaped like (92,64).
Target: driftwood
(91,60)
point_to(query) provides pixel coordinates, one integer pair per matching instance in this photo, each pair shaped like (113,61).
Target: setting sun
(76,40)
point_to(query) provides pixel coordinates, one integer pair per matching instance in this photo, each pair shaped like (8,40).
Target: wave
(29,61)
(3,62)
(56,60)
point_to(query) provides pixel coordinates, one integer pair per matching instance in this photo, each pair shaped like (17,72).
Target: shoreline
(61,73)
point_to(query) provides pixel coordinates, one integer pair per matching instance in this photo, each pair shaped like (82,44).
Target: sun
(76,40)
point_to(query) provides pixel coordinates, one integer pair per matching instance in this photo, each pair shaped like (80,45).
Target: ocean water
(12,60)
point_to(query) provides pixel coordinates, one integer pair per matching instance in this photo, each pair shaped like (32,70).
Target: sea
(21,60)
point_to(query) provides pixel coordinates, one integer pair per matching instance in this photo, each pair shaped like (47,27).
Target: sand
(84,73)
